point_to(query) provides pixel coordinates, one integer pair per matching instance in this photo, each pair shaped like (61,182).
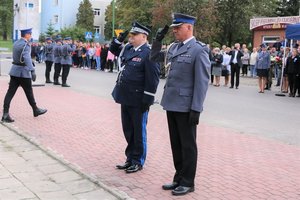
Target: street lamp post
(113,18)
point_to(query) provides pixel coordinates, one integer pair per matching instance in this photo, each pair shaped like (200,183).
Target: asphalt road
(243,110)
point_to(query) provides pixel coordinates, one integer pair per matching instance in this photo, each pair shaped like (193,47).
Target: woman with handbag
(217,65)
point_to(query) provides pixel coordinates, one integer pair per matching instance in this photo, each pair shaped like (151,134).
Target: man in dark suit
(135,89)
(236,64)
(183,97)
(21,73)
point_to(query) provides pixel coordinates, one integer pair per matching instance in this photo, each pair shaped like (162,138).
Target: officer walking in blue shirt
(135,90)
(21,73)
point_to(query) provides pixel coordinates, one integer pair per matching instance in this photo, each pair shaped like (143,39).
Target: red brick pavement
(86,130)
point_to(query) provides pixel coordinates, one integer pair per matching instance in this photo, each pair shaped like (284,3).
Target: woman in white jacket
(226,65)
(253,58)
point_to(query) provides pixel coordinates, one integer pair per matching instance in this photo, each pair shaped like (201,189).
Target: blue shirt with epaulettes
(22,62)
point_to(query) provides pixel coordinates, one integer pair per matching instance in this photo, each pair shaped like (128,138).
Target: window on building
(55,2)
(97,11)
(29,5)
(270,39)
(55,19)
(97,29)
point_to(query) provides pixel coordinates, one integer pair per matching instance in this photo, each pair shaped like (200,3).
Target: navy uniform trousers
(57,70)
(48,69)
(134,123)
(14,83)
(183,140)
(65,73)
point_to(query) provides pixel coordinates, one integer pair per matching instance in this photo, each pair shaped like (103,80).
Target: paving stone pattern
(86,131)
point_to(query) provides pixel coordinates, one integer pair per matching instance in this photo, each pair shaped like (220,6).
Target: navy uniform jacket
(49,56)
(22,63)
(66,52)
(137,82)
(188,78)
(57,53)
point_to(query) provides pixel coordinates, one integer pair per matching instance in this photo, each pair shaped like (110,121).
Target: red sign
(271,27)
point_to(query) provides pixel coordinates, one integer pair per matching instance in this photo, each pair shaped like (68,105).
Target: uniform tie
(180,45)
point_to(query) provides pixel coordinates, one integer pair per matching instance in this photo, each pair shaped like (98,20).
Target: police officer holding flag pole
(183,97)
(21,74)
(135,90)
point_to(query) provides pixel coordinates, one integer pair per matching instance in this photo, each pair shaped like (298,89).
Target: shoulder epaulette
(201,43)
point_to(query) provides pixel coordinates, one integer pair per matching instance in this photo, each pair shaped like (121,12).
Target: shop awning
(293,31)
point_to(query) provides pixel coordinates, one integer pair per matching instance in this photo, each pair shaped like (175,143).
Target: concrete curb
(117,193)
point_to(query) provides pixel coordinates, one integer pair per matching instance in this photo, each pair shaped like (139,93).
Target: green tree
(288,8)
(108,24)
(50,30)
(234,18)
(75,32)
(204,11)
(128,11)
(6,18)
(42,37)
(85,16)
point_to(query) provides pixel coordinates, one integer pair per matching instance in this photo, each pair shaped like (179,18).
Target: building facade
(269,30)
(26,15)
(62,13)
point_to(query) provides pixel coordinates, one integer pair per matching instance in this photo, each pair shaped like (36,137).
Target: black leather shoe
(170,186)
(230,87)
(134,168)
(65,85)
(48,81)
(124,166)
(56,83)
(6,118)
(182,190)
(39,111)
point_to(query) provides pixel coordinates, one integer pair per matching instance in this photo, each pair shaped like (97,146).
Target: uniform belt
(20,64)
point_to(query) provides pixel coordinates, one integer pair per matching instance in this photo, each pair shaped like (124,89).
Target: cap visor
(174,25)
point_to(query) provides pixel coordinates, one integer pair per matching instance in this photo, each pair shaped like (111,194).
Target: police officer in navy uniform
(135,90)
(49,58)
(183,97)
(66,60)
(21,74)
(57,60)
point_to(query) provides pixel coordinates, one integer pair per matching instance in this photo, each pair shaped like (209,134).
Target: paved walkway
(27,172)
(85,131)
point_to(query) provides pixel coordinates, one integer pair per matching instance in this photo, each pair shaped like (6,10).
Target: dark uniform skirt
(262,72)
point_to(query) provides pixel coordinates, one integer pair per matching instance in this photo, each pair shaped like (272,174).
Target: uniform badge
(186,55)
(137,59)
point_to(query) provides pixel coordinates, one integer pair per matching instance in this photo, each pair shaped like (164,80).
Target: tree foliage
(75,32)
(288,8)
(218,21)
(50,30)
(6,16)
(85,16)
